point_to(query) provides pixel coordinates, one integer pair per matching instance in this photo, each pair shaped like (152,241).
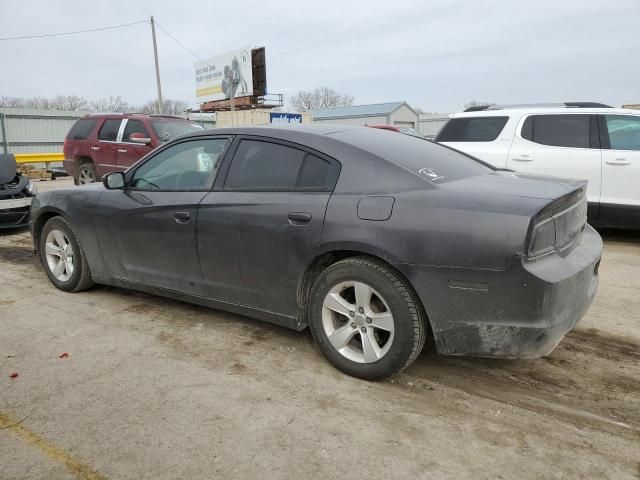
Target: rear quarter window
(82,129)
(109,130)
(433,162)
(472,129)
(571,130)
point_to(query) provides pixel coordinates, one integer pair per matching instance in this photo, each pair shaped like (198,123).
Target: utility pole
(155,56)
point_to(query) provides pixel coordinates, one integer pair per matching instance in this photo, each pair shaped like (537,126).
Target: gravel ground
(154,388)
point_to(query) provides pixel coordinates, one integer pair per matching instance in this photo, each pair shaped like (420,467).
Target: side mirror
(139,138)
(113,181)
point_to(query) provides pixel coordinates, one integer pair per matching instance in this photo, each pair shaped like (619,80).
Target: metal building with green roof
(399,114)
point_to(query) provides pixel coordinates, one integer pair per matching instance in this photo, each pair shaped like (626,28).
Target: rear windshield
(82,129)
(168,129)
(472,129)
(436,163)
(411,131)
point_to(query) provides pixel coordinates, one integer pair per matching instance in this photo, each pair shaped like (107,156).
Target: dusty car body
(490,263)
(16,194)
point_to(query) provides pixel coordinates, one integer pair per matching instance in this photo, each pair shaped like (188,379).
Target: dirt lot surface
(154,388)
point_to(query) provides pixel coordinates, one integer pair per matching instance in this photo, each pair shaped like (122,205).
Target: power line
(181,44)
(74,33)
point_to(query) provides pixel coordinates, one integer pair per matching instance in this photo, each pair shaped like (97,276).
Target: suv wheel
(365,319)
(62,257)
(86,174)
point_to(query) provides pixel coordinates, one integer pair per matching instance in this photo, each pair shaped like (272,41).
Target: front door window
(185,166)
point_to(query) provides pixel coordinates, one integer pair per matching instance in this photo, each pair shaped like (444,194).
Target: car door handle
(95,148)
(523,158)
(122,150)
(299,218)
(182,217)
(618,161)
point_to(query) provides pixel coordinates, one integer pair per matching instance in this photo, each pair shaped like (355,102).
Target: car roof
(134,115)
(510,112)
(280,131)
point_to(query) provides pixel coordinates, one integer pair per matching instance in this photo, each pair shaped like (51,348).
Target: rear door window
(472,129)
(558,130)
(259,165)
(109,130)
(82,129)
(624,131)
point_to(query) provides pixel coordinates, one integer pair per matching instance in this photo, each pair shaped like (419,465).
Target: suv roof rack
(165,116)
(539,105)
(161,115)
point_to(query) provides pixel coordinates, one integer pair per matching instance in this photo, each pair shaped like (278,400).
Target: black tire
(84,171)
(81,277)
(410,327)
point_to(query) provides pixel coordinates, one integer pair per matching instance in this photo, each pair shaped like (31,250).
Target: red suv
(103,143)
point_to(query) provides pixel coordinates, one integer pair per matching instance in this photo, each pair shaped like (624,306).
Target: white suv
(574,140)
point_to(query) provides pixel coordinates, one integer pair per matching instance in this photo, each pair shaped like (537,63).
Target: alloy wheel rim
(358,322)
(59,254)
(86,176)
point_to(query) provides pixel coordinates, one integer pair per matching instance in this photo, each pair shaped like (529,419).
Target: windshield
(168,129)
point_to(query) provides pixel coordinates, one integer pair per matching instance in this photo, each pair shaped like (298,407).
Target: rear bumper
(522,312)
(69,167)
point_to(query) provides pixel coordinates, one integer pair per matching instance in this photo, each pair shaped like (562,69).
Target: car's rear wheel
(62,256)
(366,319)
(86,174)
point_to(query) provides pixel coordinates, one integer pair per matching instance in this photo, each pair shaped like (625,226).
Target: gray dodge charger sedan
(371,239)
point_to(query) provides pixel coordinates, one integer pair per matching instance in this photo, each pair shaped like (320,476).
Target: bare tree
(323,97)
(12,102)
(477,103)
(106,104)
(40,103)
(71,103)
(110,104)
(174,107)
(169,107)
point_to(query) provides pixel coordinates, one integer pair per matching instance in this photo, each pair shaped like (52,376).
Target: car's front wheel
(366,319)
(62,256)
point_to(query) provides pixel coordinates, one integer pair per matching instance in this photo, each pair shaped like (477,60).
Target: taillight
(543,238)
(559,225)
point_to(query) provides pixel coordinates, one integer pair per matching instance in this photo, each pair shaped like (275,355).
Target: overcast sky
(435,55)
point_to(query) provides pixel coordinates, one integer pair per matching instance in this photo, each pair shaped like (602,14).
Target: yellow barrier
(39,157)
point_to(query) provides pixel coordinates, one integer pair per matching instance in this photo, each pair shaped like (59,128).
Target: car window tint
(264,165)
(472,129)
(82,129)
(109,130)
(624,131)
(429,160)
(317,173)
(185,166)
(134,126)
(558,130)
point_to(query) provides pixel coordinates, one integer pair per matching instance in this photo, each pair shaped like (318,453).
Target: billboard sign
(224,76)
(285,118)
